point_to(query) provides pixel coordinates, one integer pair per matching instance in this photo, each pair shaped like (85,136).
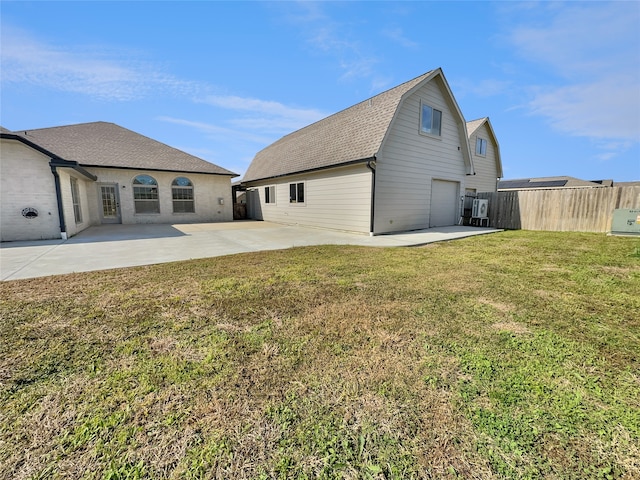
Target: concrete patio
(114,246)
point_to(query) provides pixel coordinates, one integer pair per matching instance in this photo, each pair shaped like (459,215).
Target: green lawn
(511,355)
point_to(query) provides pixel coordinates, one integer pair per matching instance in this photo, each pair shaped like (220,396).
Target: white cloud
(215,131)
(265,115)
(607,108)
(611,150)
(583,38)
(272,108)
(94,72)
(397,35)
(332,38)
(483,88)
(590,53)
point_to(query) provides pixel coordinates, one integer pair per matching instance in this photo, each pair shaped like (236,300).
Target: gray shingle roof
(347,136)
(102,144)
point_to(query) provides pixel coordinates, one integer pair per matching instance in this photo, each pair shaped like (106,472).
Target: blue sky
(560,81)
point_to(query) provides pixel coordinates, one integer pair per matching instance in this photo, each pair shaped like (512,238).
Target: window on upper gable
(481,146)
(430,120)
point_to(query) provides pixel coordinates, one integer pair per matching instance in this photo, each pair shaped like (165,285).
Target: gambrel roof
(474,125)
(351,135)
(103,144)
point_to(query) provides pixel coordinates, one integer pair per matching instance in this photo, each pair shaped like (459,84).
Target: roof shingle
(473,125)
(353,134)
(103,144)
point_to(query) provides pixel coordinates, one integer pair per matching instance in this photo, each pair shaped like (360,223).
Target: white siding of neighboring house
(485,179)
(26,181)
(337,198)
(208,189)
(409,161)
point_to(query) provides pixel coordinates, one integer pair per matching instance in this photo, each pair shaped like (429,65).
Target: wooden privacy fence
(563,210)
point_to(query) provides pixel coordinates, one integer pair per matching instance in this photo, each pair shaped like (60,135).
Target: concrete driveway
(114,246)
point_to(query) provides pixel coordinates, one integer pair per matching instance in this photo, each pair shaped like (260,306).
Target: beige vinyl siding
(485,179)
(207,190)
(409,161)
(26,181)
(337,198)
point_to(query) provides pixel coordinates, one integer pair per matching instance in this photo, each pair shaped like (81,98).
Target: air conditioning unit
(480,208)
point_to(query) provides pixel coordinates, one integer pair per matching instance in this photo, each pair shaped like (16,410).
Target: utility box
(626,221)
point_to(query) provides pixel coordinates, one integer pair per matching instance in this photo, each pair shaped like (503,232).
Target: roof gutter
(55,160)
(58,162)
(56,179)
(229,174)
(371,165)
(54,164)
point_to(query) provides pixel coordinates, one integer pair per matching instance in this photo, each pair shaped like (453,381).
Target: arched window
(182,193)
(145,194)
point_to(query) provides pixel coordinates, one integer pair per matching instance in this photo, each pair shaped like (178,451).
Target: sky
(559,81)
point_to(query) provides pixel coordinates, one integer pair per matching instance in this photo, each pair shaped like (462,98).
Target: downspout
(371,165)
(56,179)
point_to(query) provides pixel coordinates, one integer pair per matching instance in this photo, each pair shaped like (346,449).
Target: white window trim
(156,200)
(75,200)
(273,196)
(420,130)
(193,196)
(480,139)
(304,187)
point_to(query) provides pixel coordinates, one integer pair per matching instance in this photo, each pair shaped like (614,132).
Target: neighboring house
(398,161)
(550,183)
(55,182)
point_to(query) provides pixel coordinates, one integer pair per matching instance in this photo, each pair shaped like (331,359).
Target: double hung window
(270,194)
(182,194)
(430,120)
(296,192)
(481,146)
(145,194)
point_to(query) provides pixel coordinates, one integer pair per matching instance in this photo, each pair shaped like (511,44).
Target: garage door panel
(444,203)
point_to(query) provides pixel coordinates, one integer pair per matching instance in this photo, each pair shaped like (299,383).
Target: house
(56,182)
(485,151)
(550,183)
(398,161)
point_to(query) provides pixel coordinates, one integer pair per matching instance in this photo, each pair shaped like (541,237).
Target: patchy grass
(513,355)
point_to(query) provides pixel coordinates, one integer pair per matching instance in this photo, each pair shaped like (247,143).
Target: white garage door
(444,203)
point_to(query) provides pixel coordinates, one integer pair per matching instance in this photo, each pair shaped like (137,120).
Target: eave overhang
(246,183)
(55,161)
